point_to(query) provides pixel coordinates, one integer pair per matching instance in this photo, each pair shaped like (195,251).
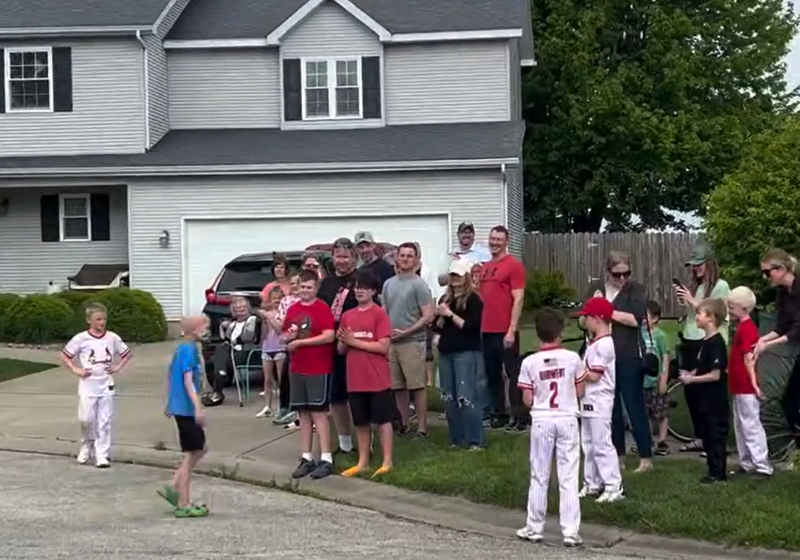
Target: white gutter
(86,30)
(146,90)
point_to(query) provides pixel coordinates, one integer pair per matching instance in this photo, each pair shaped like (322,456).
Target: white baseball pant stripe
(751,440)
(95,414)
(562,436)
(601,464)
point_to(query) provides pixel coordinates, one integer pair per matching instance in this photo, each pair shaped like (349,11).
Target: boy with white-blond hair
(751,440)
(95,355)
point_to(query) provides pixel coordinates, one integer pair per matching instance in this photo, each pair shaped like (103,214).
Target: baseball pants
(601,463)
(560,436)
(95,414)
(751,440)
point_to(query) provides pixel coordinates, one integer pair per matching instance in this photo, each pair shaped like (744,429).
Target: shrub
(6,301)
(37,319)
(134,315)
(547,289)
(77,302)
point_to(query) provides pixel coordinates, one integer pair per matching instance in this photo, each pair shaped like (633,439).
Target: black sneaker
(711,480)
(516,427)
(662,448)
(323,469)
(305,468)
(498,423)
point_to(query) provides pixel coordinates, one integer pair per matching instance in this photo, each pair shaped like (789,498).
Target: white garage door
(210,244)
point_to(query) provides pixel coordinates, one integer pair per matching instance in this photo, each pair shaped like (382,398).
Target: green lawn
(11,369)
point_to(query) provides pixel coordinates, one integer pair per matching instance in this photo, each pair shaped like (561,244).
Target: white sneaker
(262,393)
(587,492)
(527,534)
(266,412)
(571,541)
(102,463)
(611,497)
(84,454)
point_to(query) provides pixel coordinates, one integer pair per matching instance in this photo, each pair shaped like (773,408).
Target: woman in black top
(780,268)
(460,358)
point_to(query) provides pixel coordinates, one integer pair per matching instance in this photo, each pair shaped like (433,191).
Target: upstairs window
(28,79)
(332,89)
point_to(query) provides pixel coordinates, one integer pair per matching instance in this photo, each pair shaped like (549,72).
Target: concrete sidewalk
(38,416)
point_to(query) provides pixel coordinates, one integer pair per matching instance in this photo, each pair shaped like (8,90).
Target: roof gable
(274,38)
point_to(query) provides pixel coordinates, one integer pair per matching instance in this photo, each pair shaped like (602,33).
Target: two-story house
(173,135)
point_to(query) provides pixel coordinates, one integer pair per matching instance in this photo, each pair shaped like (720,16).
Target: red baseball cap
(597,307)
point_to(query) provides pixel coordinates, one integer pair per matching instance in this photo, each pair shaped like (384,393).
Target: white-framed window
(75,217)
(28,79)
(332,89)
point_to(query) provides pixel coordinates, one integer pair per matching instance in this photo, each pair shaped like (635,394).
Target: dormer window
(29,79)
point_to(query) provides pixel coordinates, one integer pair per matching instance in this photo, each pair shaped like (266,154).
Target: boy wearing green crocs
(183,404)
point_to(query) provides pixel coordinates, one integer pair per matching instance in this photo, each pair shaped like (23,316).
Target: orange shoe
(381,471)
(352,471)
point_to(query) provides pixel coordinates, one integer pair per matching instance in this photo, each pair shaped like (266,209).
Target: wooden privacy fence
(656,258)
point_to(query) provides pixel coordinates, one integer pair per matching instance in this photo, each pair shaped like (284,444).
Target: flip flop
(191,511)
(169,494)
(381,471)
(352,471)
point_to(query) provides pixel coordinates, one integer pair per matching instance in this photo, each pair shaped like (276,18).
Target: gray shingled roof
(428,142)
(246,19)
(27,14)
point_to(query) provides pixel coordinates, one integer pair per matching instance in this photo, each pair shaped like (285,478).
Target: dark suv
(246,276)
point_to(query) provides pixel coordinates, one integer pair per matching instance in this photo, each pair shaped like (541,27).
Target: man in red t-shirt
(751,440)
(364,337)
(309,335)
(502,288)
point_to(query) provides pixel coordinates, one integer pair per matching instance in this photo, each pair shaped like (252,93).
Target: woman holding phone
(705,283)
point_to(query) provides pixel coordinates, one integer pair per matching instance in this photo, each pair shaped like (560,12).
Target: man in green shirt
(656,375)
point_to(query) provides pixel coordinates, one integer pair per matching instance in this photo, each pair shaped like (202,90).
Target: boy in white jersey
(95,355)
(601,474)
(551,381)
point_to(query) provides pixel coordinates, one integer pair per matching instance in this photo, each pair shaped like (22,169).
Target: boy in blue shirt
(183,404)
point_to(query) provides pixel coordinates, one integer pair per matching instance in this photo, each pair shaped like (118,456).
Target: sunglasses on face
(620,275)
(767,272)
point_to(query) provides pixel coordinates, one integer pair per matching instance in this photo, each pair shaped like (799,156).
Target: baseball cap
(597,307)
(460,267)
(464,226)
(699,255)
(363,237)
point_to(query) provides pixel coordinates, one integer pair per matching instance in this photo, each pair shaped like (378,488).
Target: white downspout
(146,91)
(504,180)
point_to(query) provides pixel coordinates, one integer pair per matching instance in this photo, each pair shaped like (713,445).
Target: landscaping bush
(37,319)
(6,301)
(134,315)
(547,289)
(77,302)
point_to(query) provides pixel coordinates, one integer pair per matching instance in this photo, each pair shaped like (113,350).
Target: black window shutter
(101,217)
(2,84)
(371,80)
(62,80)
(292,94)
(51,226)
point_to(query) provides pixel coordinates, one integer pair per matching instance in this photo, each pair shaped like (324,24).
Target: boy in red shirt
(751,440)
(364,335)
(309,335)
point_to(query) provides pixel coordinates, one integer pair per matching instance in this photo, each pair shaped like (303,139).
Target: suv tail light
(214,299)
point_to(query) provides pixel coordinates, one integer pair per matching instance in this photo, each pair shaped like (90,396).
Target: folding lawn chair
(246,357)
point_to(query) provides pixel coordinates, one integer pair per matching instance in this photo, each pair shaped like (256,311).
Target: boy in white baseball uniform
(551,381)
(601,473)
(95,355)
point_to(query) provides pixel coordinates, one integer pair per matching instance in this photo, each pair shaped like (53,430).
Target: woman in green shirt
(706,283)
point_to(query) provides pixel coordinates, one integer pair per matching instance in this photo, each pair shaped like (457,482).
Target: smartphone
(676,282)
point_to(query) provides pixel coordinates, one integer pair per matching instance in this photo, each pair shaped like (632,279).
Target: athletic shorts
(309,393)
(657,405)
(338,385)
(407,363)
(372,408)
(191,435)
(272,356)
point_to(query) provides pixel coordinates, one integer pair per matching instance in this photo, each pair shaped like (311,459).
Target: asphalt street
(53,508)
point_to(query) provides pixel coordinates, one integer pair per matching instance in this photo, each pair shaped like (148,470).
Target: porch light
(163,239)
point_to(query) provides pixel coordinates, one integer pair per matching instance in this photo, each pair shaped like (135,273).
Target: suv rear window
(245,277)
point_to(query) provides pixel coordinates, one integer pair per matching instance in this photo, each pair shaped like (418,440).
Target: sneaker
(286,418)
(85,454)
(102,463)
(305,468)
(611,497)
(572,541)
(442,416)
(292,427)
(710,480)
(592,493)
(516,427)
(323,469)
(265,412)
(528,534)
(662,448)
(262,394)
(498,423)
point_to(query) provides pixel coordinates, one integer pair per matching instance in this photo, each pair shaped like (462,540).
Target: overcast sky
(793,75)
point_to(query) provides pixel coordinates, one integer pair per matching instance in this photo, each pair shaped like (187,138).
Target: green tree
(635,106)
(757,206)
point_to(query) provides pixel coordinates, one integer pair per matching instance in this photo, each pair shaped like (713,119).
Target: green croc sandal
(191,511)
(169,494)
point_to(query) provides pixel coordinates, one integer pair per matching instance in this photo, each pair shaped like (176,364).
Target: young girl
(273,350)
(286,417)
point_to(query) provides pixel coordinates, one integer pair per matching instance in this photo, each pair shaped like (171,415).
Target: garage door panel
(209,244)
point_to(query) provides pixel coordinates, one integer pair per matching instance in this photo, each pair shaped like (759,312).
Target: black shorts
(372,408)
(309,393)
(191,435)
(338,394)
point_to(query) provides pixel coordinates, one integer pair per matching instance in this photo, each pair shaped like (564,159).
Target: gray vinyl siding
(515,80)
(173,12)
(329,31)
(157,89)
(447,82)
(224,88)
(107,115)
(516,209)
(157,204)
(27,264)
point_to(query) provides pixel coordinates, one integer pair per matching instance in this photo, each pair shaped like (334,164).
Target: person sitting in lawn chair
(239,335)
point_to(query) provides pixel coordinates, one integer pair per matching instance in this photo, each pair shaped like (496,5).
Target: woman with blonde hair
(239,330)
(780,269)
(460,358)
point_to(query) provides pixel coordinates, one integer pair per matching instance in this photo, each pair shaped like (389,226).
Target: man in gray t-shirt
(407,299)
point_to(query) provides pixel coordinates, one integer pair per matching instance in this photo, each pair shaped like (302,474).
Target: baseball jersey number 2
(553,394)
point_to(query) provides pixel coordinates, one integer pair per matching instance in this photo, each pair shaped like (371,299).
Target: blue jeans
(629,392)
(463,387)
